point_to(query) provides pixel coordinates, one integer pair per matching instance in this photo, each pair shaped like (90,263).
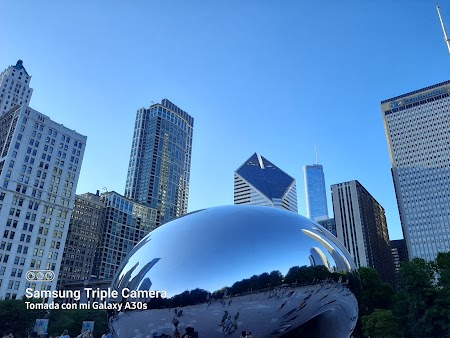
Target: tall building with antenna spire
(315,191)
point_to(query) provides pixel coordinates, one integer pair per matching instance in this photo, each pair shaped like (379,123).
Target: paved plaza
(265,314)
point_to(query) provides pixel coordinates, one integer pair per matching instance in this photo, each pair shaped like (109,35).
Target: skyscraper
(160,160)
(418,134)
(85,231)
(14,87)
(39,168)
(316,196)
(361,226)
(125,223)
(260,182)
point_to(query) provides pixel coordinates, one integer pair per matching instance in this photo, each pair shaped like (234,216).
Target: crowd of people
(65,334)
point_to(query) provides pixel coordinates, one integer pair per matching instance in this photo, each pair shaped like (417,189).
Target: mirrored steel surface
(237,268)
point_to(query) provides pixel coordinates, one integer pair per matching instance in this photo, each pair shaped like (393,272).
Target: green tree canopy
(16,318)
(381,323)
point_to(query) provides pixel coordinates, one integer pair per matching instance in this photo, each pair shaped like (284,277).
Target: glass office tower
(418,133)
(160,160)
(316,197)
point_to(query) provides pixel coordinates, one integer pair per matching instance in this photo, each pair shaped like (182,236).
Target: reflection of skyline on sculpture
(248,258)
(241,255)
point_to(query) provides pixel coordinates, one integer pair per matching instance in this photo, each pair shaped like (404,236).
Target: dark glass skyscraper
(260,182)
(160,160)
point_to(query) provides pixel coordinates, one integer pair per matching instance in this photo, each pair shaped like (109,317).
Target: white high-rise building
(418,133)
(14,87)
(260,182)
(40,162)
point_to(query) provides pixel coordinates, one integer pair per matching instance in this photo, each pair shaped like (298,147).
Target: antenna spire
(447,41)
(317,155)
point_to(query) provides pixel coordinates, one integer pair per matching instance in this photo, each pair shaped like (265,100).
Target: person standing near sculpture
(65,334)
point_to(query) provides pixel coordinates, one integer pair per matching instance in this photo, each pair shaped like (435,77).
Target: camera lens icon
(40,275)
(31,276)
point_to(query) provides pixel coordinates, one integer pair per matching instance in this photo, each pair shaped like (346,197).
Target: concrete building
(83,238)
(160,160)
(260,182)
(14,87)
(418,135)
(39,168)
(125,222)
(361,226)
(315,192)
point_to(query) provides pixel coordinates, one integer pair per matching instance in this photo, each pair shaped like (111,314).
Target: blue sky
(275,77)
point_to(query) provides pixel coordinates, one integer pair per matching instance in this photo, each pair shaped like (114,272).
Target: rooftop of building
(361,186)
(19,66)
(171,106)
(265,176)
(416,91)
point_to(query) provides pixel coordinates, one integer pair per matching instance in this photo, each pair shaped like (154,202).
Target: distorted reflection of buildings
(281,272)
(318,257)
(260,182)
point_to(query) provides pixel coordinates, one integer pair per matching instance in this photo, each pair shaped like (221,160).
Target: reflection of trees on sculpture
(297,275)
(186,298)
(305,274)
(193,297)
(255,283)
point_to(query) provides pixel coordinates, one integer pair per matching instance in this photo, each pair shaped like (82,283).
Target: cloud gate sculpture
(230,269)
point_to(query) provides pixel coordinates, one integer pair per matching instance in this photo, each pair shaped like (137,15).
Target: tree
(374,293)
(416,299)
(72,320)
(381,323)
(276,278)
(16,318)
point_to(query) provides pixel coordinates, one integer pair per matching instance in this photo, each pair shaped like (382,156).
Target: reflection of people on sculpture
(65,334)
(175,322)
(227,324)
(234,325)
(86,334)
(282,305)
(225,315)
(190,333)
